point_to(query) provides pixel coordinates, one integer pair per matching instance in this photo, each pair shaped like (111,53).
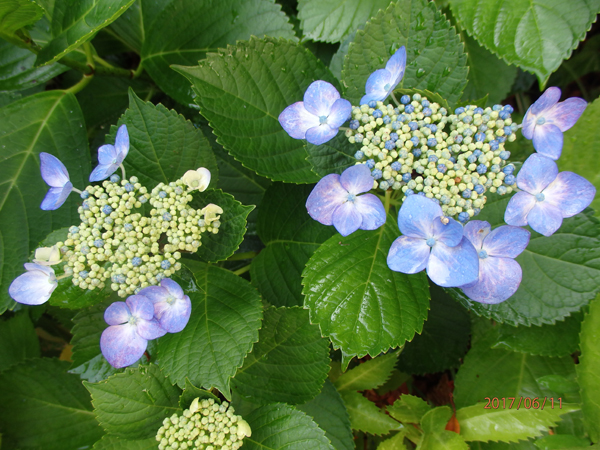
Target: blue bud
(159,276)
(501,139)
(425,103)
(386,119)
(372,104)
(482,127)
(409,109)
(354,124)
(497,107)
(381,156)
(481,169)
(406,177)
(416,152)
(459,110)
(478,110)
(413,125)
(167,217)
(201,222)
(463,217)
(432,142)
(84,249)
(376,174)
(405,99)
(501,190)
(468,131)
(432,127)
(396,125)
(442,168)
(415,140)
(509,180)
(389,145)
(452,159)
(432,158)
(393,137)
(458,139)
(477,153)
(129,187)
(472,159)
(358,138)
(466,193)
(445,199)
(114,178)
(108,220)
(142,199)
(370,163)
(99,243)
(119,278)
(509,109)
(504,115)
(409,192)
(128,227)
(162,194)
(495,168)
(480,189)
(136,261)
(107,209)
(85,205)
(467,119)
(427,112)
(402,118)
(396,166)
(84,274)
(359,155)
(383,185)
(508,170)
(507,131)
(480,137)
(377,114)
(74,230)
(476,211)
(494,144)
(84,194)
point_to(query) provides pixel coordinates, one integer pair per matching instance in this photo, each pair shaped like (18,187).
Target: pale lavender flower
(172,308)
(55,174)
(110,157)
(382,82)
(35,286)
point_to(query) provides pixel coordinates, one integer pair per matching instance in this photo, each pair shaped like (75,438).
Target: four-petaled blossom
(335,201)
(197,179)
(382,82)
(172,308)
(318,118)
(35,286)
(56,176)
(547,119)
(110,157)
(47,256)
(434,242)
(211,213)
(132,325)
(499,274)
(546,196)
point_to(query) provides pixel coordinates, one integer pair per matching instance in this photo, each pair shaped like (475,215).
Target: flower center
(323,120)
(430,242)
(482,254)
(541,121)
(540,197)
(387,87)
(351,197)
(195,183)
(133,320)
(170,300)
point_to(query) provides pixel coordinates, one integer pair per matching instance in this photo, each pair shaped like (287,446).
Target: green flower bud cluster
(117,244)
(206,425)
(419,147)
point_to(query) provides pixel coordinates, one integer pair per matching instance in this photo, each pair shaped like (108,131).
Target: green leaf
(534,35)
(332,21)
(435,437)
(133,404)
(67,295)
(334,156)
(579,144)
(329,412)
(191,392)
(220,246)
(435,57)
(558,383)
(243,89)
(408,408)
(74,23)
(366,416)
(588,370)
(196,28)
(110,442)
(508,425)
(444,338)
(15,14)
(18,340)
(562,441)
(130,27)
(488,75)
(290,235)
(226,314)
(282,426)
(289,362)
(360,304)
(396,442)
(46,122)
(560,339)
(44,407)
(369,374)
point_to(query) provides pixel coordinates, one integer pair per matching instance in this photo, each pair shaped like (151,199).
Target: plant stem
(242,270)
(87,76)
(123,171)
(241,256)
(386,203)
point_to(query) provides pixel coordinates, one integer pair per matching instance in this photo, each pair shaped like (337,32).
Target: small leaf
(18,340)
(369,374)
(396,442)
(366,416)
(191,392)
(408,409)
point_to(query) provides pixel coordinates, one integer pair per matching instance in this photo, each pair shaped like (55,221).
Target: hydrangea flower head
(198,179)
(319,117)
(547,197)
(35,286)
(433,242)
(499,274)
(335,201)
(547,119)
(132,325)
(382,82)
(55,174)
(172,308)
(110,157)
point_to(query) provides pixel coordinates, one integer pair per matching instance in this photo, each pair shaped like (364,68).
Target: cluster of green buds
(206,425)
(452,158)
(122,243)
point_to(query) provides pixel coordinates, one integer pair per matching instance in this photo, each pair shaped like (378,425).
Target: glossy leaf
(331,157)
(408,408)
(18,340)
(16,14)
(435,436)
(110,442)
(435,57)
(130,26)
(396,442)
(369,374)
(67,295)
(366,416)
(191,392)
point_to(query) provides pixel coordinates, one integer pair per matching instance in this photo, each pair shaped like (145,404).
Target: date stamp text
(522,402)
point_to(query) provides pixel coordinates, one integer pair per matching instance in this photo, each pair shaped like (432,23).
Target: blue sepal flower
(35,286)
(110,157)
(430,241)
(546,196)
(319,117)
(172,308)
(547,119)
(499,273)
(335,201)
(56,176)
(382,82)
(132,325)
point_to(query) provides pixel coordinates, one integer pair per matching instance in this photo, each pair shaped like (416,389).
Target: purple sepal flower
(56,176)
(335,201)
(132,326)
(110,157)
(499,274)
(35,286)
(428,243)
(172,308)
(382,82)
(547,119)
(319,117)
(547,197)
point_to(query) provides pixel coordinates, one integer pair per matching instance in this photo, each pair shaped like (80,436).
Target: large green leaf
(435,57)
(280,426)
(195,28)
(579,144)
(408,408)
(588,370)
(366,416)
(18,340)
(47,122)
(290,235)
(357,301)
(133,404)
(289,363)
(76,22)
(333,156)
(226,316)
(534,35)
(369,374)
(508,425)
(16,14)
(110,442)
(332,21)
(130,27)
(435,436)
(43,407)
(243,89)
(328,411)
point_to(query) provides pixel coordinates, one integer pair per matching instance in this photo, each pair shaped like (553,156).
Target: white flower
(197,179)
(47,256)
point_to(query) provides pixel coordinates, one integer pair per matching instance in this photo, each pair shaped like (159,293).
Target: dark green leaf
(435,57)
(369,374)
(408,408)
(67,295)
(366,416)
(110,442)
(191,392)
(332,157)
(18,340)
(130,26)
(15,14)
